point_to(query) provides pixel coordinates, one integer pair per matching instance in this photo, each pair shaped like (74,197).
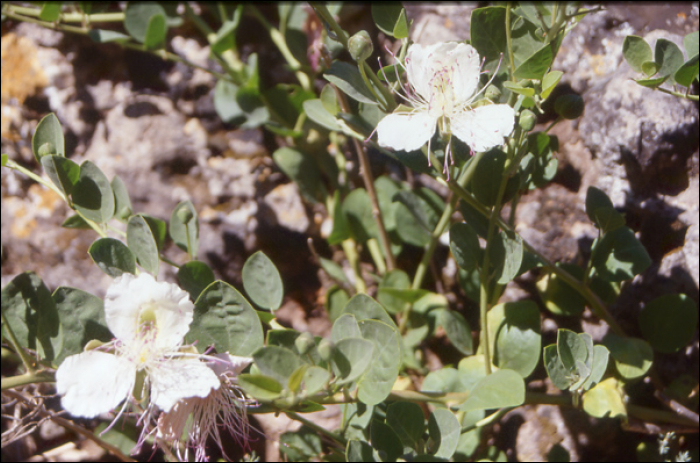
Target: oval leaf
(262,281)
(140,240)
(503,388)
(112,257)
(92,194)
(669,322)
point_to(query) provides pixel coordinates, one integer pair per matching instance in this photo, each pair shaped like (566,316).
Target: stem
(511,60)
(27,361)
(680,95)
(350,250)
(30,377)
(70,17)
(279,40)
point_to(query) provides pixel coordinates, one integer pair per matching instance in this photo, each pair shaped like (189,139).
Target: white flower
(227,403)
(443,80)
(149,320)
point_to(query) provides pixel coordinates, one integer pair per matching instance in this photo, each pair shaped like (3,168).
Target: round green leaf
(364,307)
(619,255)
(487,178)
(112,257)
(518,341)
(687,73)
(140,240)
(350,359)
(464,244)
(633,356)
(385,442)
(406,419)
(377,382)
(92,194)
(636,52)
(457,330)
(122,203)
(386,16)
(669,56)
(262,281)
(502,388)
(302,169)
(137,18)
(224,318)
(194,276)
(277,362)
(63,172)
(669,322)
(605,399)
(349,80)
(261,387)
(48,131)
(444,430)
(394,279)
(155,33)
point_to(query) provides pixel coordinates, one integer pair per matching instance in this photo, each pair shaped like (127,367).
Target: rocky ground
(153,123)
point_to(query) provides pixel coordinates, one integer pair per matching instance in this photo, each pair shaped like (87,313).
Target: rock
(287,207)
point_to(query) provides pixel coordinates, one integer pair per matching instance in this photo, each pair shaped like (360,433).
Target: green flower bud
(526,83)
(325,349)
(527,120)
(493,93)
(185,215)
(304,343)
(569,106)
(360,46)
(46,149)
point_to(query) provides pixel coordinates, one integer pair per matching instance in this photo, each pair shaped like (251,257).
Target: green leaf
(48,131)
(184,228)
(106,36)
(142,243)
(226,35)
(364,307)
(112,257)
(520,90)
(401,27)
(336,300)
(378,380)
(669,322)
(302,445)
(457,330)
(600,363)
(558,296)
(82,317)
(445,380)
(262,388)
(633,356)
(4,160)
(394,279)
(358,450)
(303,170)
(63,172)
(315,110)
(619,256)
(549,82)
(406,419)
(687,73)
(137,18)
(502,388)
(50,11)
(194,276)
(487,178)
(416,217)
(556,371)
(76,222)
(351,358)
(506,256)
(357,209)
(669,56)
(601,211)
(122,203)
(31,314)
(225,102)
(155,33)
(649,68)
(464,244)
(92,195)
(349,80)
(385,442)
(262,281)
(488,33)
(315,378)
(536,65)
(389,18)
(572,347)
(223,317)
(605,399)
(277,362)
(518,340)
(444,430)
(636,52)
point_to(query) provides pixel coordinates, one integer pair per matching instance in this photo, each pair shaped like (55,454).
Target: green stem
(31,377)
(509,43)
(350,250)
(27,361)
(69,17)
(680,95)
(279,40)
(319,429)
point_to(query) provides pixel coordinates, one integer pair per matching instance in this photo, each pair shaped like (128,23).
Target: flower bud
(527,120)
(325,349)
(304,343)
(569,106)
(360,46)
(46,149)
(493,93)
(185,215)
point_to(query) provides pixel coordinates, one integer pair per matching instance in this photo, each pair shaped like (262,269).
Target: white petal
(129,295)
(406,132)
(174,380)
(484,127)
(94,382)
(465,63)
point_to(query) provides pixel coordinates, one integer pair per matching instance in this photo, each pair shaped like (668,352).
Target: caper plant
(176,359)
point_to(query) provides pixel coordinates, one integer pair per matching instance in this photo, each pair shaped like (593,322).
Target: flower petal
(94,382)
(406,132)
(129,296)
(484,127)
(179,379)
